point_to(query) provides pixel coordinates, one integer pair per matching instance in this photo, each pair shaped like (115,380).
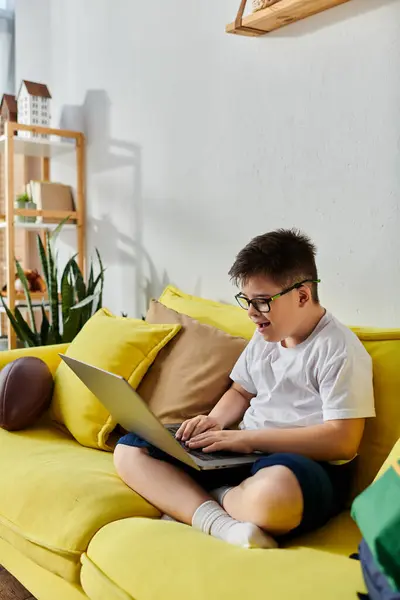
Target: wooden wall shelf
(278,15)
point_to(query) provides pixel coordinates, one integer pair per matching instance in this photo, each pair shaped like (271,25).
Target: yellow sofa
(71,530)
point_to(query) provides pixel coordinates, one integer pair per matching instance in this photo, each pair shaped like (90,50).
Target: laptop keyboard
(199,453)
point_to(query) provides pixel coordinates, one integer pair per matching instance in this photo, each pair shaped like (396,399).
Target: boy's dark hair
(287,256)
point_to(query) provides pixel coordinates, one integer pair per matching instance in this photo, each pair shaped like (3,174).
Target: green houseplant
(24,201)
(79,301)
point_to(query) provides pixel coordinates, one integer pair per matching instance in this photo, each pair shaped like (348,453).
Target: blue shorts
(325,487)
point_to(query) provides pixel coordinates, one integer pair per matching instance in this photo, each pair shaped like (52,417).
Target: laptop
(129,410)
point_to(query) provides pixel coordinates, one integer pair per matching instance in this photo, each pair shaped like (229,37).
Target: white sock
(211,518)
(166,517)
(219,493)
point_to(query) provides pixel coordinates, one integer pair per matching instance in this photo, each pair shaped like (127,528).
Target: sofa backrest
(382,432)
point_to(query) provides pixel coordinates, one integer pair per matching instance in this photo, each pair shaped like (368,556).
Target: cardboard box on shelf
(51,196)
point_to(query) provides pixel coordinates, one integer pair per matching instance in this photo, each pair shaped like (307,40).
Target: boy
(302,390)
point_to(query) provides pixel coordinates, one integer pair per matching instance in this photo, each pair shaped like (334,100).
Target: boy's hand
(195,426)
(214,441)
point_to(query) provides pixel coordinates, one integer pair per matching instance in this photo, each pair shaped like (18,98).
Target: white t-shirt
(326,377)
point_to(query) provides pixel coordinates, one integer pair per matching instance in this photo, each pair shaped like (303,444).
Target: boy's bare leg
(271,499)
(175,493)
(166,487)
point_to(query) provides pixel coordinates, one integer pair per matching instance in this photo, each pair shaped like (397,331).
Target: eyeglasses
(263,305)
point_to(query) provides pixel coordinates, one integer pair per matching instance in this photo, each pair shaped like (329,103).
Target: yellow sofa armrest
(49,354)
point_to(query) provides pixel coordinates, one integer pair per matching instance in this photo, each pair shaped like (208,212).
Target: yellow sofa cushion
(123,346)
(339,536)
(229,318)
(55,495)
(174,562)
(381,432)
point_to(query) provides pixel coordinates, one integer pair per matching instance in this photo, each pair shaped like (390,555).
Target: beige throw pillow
(190,375)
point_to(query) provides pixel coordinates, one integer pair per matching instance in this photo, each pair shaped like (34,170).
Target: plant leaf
(90,286)
(87,313)
(67,267)
(29,337)
(43,260)
(99,259)
(14,322)
(96,281)
(72,326)
(53,294)
(44,329)
(102,270)
(84,302)
(54,235)
(79,283)
(51,339)
(67,295)
(98,293)
(27,293)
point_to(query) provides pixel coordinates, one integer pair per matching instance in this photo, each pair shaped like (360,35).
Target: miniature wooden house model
(33,107)
(8,110)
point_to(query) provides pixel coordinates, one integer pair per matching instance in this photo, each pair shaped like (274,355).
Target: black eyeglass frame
(268,301)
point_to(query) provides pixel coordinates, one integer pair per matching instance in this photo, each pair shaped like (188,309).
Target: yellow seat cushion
(126,347)
(174,562)
(339,536)
(381,432)
(229,318)
(55,495)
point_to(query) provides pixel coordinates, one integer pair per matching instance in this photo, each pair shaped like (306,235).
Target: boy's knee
(126,456)
(275,499)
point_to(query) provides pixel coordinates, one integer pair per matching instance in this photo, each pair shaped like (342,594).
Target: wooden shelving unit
(39,226)
(277,15)
(43,150)
(39,148)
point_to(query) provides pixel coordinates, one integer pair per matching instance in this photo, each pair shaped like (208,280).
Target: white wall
(33,45)
(199,140)
(7,45)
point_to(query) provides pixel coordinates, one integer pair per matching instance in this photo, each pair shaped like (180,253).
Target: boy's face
(286,312)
